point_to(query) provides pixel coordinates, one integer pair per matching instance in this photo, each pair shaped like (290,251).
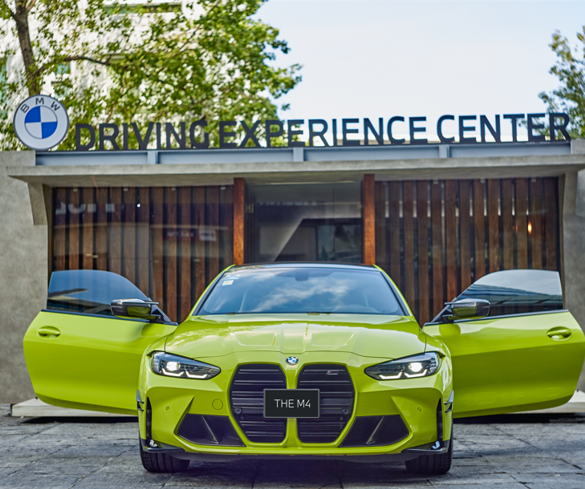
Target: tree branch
(87,58)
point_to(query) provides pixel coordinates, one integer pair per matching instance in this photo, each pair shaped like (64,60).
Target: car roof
(296,264)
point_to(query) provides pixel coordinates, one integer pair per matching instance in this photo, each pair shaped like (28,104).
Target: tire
(432,464)
(162,462)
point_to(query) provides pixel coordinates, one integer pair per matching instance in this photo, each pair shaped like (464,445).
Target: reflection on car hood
(365,335)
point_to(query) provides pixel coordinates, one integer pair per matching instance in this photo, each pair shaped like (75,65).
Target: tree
(570,70)
(109,62)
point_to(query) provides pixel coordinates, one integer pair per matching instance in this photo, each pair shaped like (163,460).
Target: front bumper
(415,401)
(437,448)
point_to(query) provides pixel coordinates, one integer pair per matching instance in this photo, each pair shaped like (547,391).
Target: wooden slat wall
(170,242)
(461,230)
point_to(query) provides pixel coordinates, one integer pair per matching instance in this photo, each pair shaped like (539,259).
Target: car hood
(364,335)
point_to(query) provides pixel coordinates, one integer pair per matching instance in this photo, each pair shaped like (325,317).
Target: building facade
(435,217)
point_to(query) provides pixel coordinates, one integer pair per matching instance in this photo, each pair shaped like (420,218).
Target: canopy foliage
(570,70)
(110,61)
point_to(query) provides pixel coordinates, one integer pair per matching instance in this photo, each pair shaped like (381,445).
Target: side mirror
(468,308)
(136,309)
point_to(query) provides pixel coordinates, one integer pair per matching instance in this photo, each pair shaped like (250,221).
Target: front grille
(336,402)
(247,399)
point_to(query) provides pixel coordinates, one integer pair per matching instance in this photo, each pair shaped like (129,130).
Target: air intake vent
(247,399)
(376,430)
(336,402)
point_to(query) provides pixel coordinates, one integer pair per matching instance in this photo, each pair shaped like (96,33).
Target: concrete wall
(23,273)
(573,204)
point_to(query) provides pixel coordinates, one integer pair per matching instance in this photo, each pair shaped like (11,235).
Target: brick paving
(529,452)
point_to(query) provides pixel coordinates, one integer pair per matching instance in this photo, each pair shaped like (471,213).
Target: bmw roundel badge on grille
(292,360)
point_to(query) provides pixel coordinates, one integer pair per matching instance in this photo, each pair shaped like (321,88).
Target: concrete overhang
(303,171)
(302,164)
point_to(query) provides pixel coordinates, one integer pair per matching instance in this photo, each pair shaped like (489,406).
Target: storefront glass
(436,237)
(168,241)
(304,222)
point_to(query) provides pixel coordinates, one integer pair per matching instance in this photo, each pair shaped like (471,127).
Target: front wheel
(432,464)
(162,462)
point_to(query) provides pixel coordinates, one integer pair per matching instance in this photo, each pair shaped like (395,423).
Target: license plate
(291,403)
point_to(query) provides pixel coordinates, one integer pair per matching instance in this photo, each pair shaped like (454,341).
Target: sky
(384,58)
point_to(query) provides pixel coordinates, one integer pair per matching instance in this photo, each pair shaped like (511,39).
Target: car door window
(89,291)
(515,292)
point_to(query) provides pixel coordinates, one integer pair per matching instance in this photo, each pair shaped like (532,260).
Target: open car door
(527,354)
(81,356)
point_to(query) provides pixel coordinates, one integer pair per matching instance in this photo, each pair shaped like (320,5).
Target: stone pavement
(103,453)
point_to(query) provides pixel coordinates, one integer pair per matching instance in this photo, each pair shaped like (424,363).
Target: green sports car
(305,360)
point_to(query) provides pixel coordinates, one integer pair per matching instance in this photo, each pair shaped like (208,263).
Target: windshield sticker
(227,282)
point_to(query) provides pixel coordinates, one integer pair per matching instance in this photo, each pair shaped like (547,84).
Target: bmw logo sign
(41,122)
(292,360)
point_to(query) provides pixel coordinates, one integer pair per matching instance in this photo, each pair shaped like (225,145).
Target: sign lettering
(450,129)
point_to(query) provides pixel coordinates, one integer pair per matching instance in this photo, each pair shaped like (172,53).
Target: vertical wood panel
(507,206)
(380,218)
(437,247)
(479,228)
(170,251)
(368,220)
(129,233)
(551,223)
(101,230)
(536,237)
(226,222)
(60,230)
(213,245)
(200,279)
(143,243)
(521,224)
(423,252)
(156,230)
(408,219)
(185,257)
(115,231)
(88,227)
(73,211)
(493,225)
(465,232)
(239,209)
(394,232)
(451,187)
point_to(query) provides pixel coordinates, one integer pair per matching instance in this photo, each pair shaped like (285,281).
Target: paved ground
(104,453)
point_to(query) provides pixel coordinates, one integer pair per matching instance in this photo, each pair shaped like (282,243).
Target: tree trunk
(21,19)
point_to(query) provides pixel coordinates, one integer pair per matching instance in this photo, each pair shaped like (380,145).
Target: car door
(527,354)
(81,356)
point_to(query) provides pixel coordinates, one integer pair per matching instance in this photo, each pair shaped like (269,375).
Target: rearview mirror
(136,309)
(468,308)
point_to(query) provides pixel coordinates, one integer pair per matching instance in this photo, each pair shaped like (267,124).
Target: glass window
(169,241)
(518,291)
(304,222)
(301,290)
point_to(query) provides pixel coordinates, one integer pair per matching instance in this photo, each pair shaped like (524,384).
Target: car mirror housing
(136,309)
(468,308)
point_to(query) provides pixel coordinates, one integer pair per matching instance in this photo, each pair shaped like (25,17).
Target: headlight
(176,366)
(406,368)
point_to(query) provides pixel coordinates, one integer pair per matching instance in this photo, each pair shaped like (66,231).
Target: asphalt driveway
(505,452)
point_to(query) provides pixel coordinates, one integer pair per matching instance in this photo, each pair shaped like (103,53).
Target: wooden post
(369,219)
(239,204)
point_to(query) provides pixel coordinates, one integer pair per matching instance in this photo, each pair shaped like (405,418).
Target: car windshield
(302,290)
